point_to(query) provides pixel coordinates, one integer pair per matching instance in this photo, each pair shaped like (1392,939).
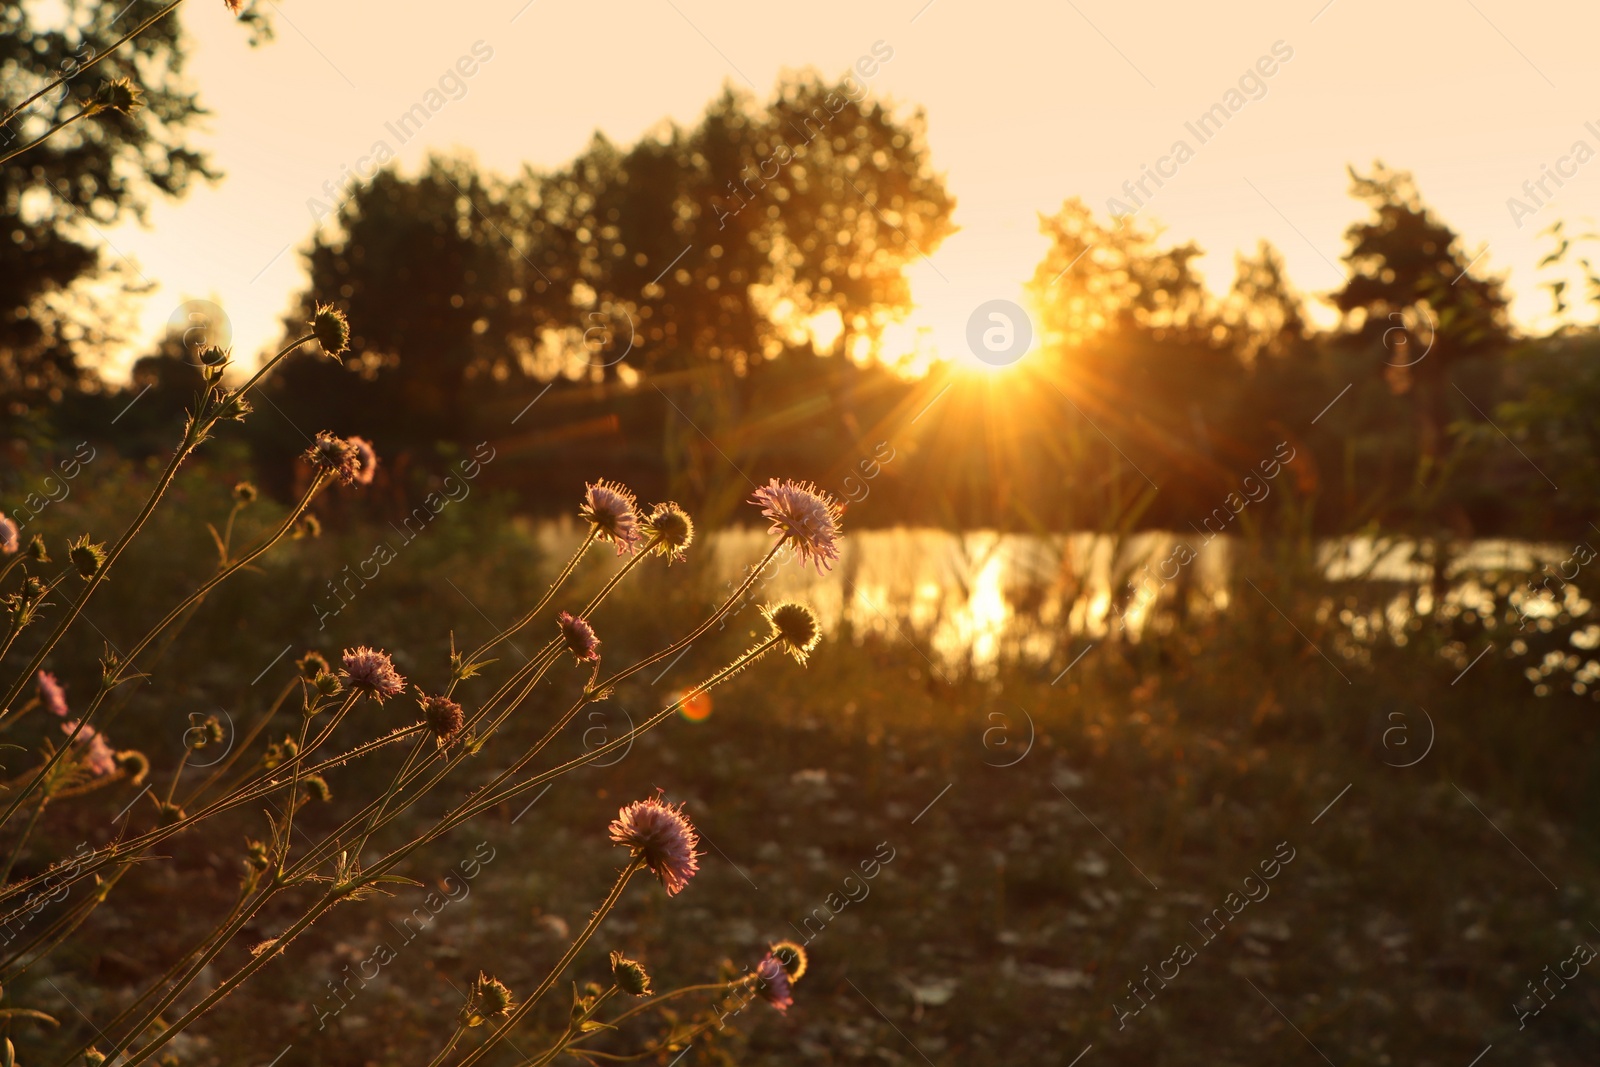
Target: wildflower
(308,526)
(36,550)
(659,834)
(88,558)
(97,755)
(332,330)
(10,537)
(234,6)
(244,493)
(257,858)
(795,627)
(133,764)
(489,999)
(443,717)
(579,637)
(793,957)
(673,530)
(317,786)
(773,983)
(366,459)
(806,517)
(326,684)
(120,95)
(335,456)
(312,664)
(630,975)
(609,508)
(51,695)
(93,1057)
(372,672)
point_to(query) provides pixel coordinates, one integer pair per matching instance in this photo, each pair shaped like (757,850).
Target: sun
(983,325)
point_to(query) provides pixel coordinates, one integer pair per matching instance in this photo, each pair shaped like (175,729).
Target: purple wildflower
(10,537)
(610,509)
(372,671)
(772,982)
(660,834)
(97,755)
(805,516)
(50,693)
(579,638)
(366,459)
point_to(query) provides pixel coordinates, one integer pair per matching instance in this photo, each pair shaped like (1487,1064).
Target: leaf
(28,1013)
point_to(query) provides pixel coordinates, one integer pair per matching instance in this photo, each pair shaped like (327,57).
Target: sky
(1027,104)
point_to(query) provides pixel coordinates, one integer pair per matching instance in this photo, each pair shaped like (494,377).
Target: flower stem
(521,1010)
(52,131)
(124,39)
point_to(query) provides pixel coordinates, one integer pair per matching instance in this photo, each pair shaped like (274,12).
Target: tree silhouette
(88,176)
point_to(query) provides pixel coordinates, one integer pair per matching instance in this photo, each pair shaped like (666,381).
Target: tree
(1411,299)
(87,177)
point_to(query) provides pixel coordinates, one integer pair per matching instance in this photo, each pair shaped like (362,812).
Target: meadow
(1058,861)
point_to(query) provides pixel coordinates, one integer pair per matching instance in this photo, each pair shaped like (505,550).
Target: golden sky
(1027,104)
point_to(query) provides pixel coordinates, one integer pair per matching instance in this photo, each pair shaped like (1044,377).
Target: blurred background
(1213,400)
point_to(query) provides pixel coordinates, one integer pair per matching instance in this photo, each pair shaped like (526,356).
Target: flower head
(673,530)
(334,455)
(97,755)
(372,672)
(443,717)
(366,459)
(331,329)
(773,983)
(805,516)
(630,975)
(119,95)
(244,493)
(795,628)
(10,538)
(793,957)
(51,695)
(610,509)
(489,999)
(86,556)
(659,834)
(579,638)
(133,764)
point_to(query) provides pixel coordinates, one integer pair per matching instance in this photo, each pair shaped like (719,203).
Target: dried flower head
(93,1057)
(673,530)
(366,459)
(793,957)
(10,537)
(50,694)
(87,557)
(307,526)
(332,330)
(317,786)
(610,508)
(244,493)
(795,628)
(630,975)
(806,517)
(489,999)
(133,764)
(444,718)
(772,982)
(334,456)
(312,664)
(579,638)
(120,95)
(372,672)
(661,835)
(36,550)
